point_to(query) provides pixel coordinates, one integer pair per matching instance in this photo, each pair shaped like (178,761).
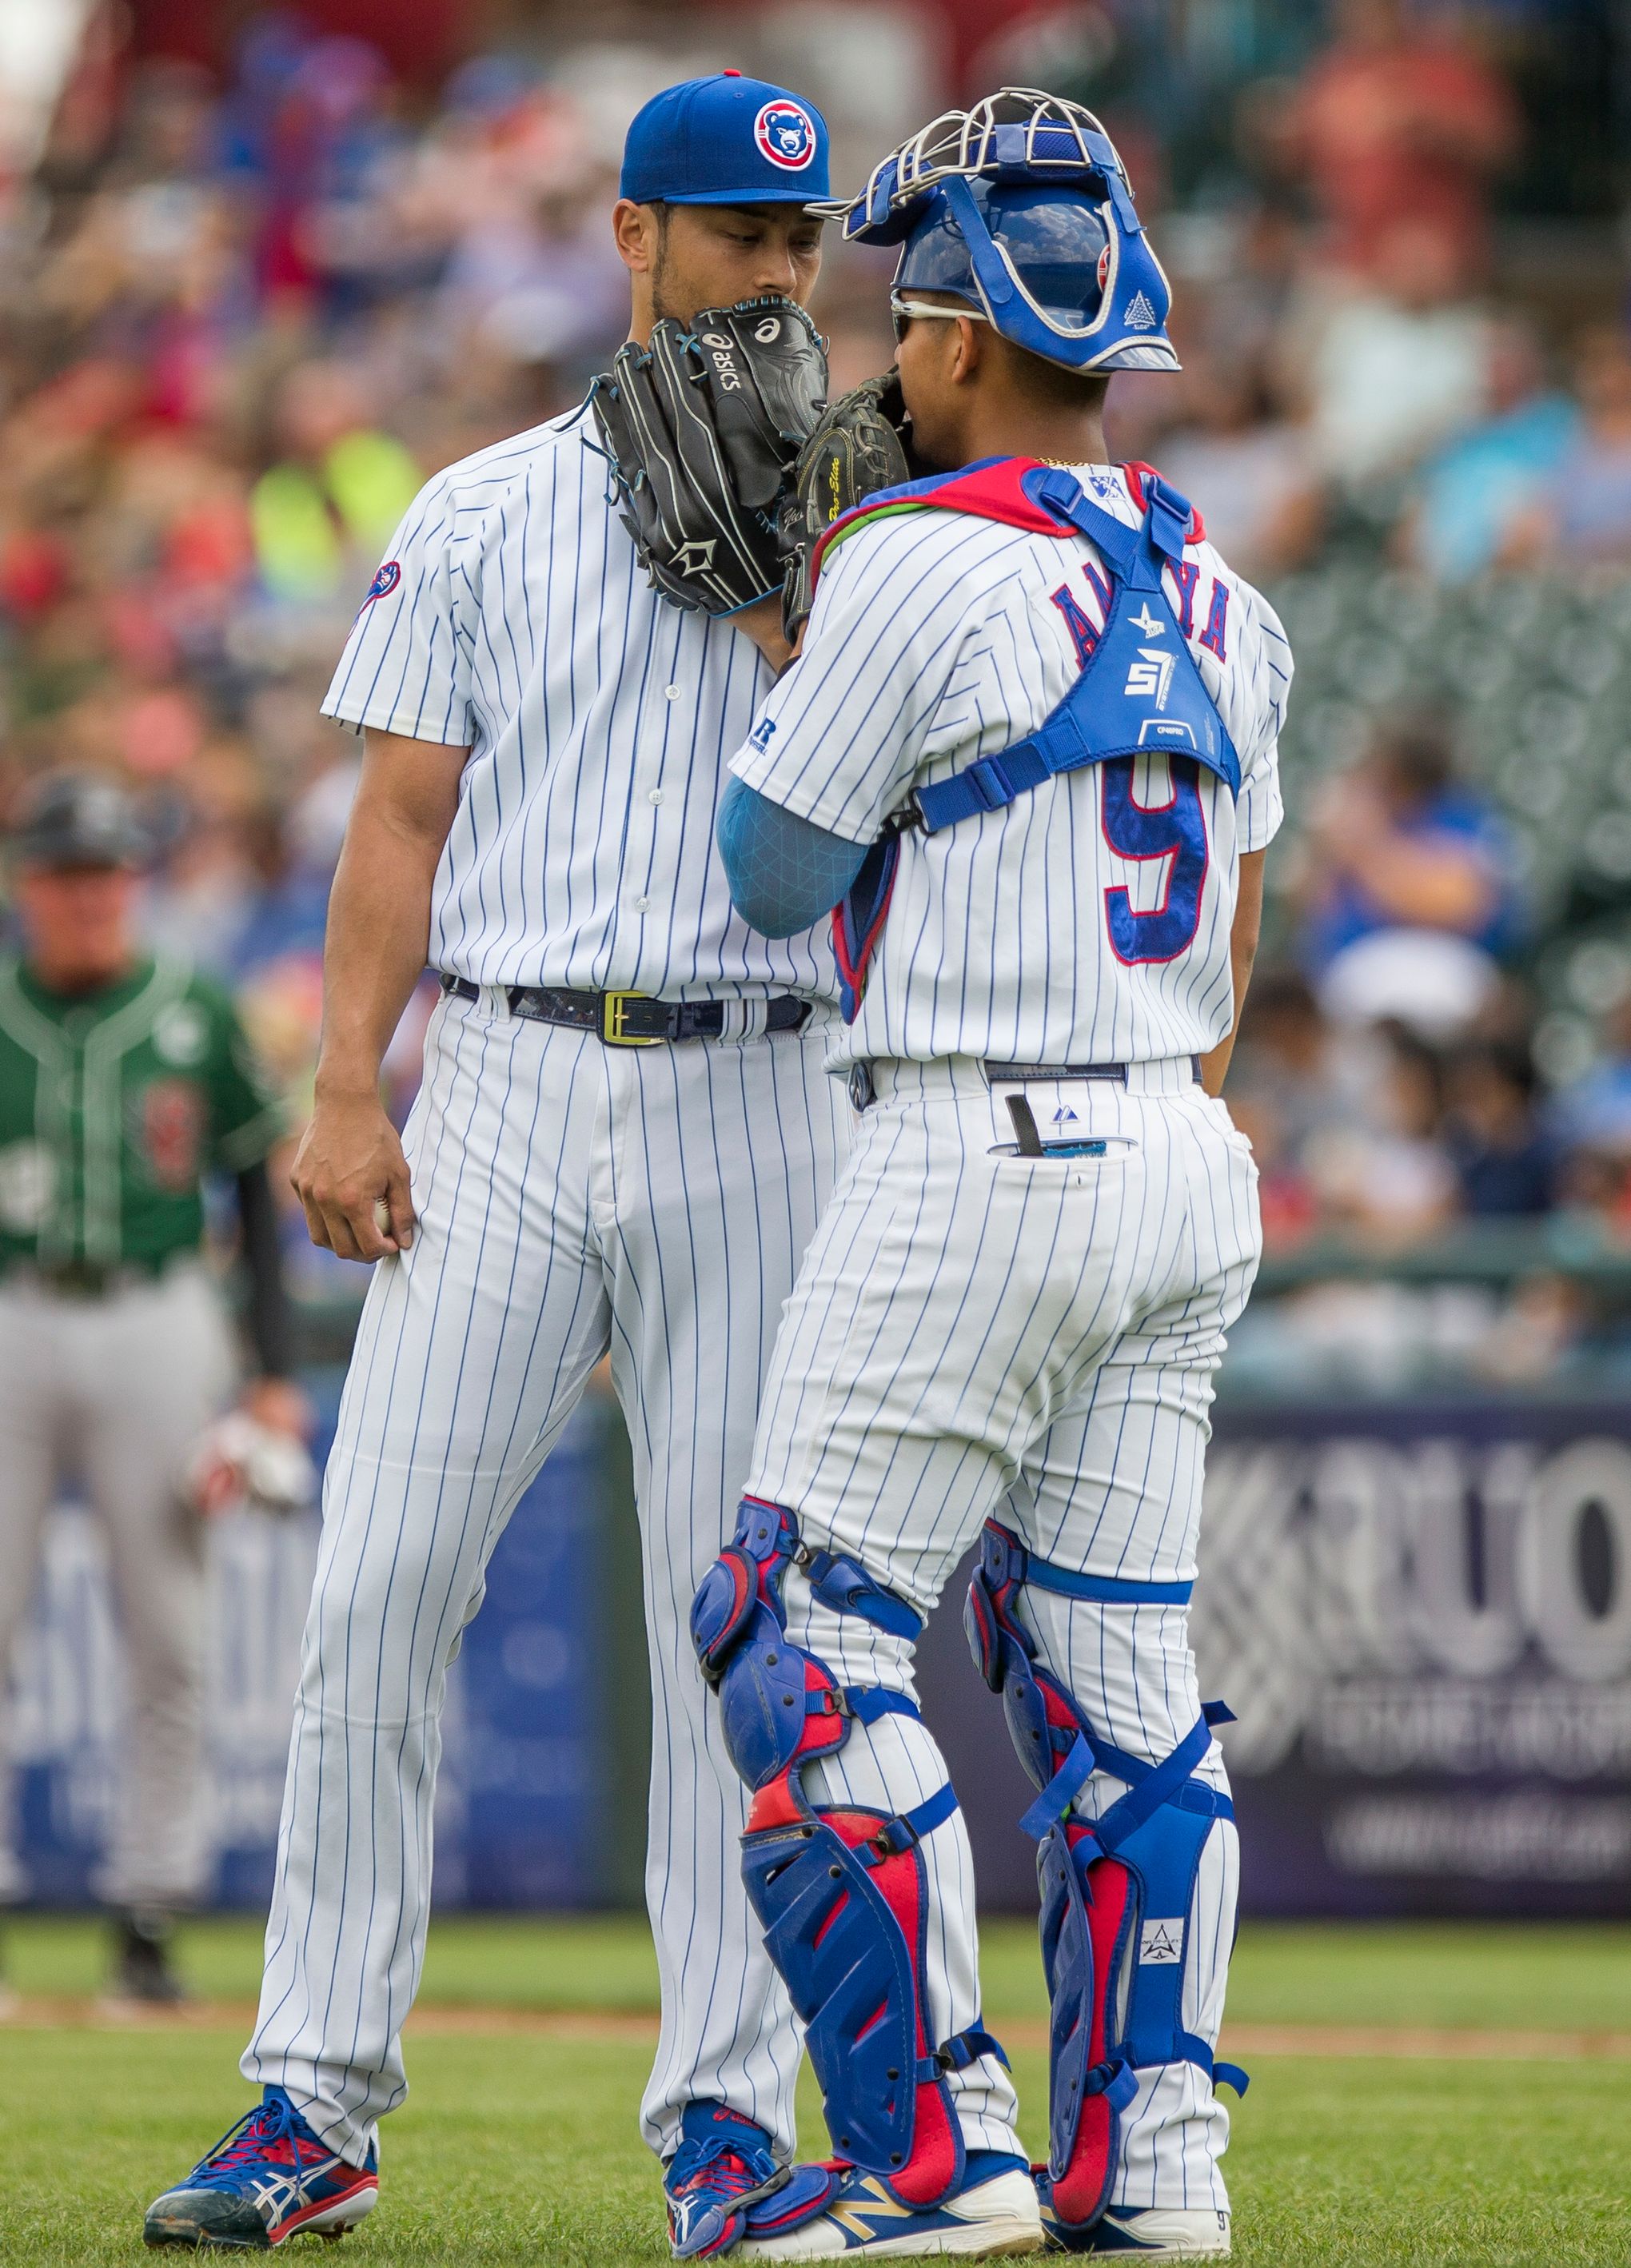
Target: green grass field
(520,2146)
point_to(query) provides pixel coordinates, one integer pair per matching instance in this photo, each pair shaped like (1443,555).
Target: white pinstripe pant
(571,1197)
(969,1325)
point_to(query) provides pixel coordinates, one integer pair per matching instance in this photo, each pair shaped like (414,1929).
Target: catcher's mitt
(702,428)
(862,444)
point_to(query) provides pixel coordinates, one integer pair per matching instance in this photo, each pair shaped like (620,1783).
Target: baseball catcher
(1028,750)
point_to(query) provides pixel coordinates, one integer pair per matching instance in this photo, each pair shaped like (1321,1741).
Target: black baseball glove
(862,443)
(703,429)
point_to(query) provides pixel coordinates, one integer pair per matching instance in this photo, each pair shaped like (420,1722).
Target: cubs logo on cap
(785,133)
(726,140)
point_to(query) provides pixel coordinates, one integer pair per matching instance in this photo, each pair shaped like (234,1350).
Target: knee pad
(1117,1891)
(778,1701)
(841,1892)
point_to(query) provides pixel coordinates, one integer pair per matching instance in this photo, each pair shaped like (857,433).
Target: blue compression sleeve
(784,874)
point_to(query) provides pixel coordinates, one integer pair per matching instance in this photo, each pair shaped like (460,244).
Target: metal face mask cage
(1024,137)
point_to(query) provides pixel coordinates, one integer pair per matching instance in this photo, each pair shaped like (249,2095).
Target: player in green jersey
(123,1083)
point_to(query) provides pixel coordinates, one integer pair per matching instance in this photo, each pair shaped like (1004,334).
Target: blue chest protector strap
(1141,691)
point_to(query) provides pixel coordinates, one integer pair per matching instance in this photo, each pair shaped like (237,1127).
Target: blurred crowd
(246,310)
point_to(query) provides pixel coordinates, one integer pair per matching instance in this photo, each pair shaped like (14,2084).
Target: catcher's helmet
(1021,207)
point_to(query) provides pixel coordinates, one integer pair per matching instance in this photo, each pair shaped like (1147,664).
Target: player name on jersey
(1087,923)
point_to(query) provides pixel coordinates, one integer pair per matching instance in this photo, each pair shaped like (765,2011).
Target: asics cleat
(993,2213)
(722,2166)
(269,2177)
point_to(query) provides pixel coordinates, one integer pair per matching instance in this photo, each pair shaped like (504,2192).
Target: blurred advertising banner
(1421,1616)
(519,1819)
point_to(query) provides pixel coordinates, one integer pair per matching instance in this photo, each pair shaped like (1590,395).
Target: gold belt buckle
(614,1018)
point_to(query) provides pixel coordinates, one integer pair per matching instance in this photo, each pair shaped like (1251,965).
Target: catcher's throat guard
(1022,206)
(1117,1891)
(842,1892)
(1140,691)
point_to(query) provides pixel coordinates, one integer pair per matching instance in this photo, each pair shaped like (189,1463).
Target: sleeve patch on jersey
(386,580)
(760,736)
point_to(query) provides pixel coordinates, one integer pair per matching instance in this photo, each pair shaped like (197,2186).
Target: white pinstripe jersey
(512,616)
(1089,922)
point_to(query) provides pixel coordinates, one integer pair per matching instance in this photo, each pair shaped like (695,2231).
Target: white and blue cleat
(993,2214)
(1126,2232)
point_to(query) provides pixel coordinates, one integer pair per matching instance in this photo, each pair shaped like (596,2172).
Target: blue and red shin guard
(842,1892)
(1117,1891)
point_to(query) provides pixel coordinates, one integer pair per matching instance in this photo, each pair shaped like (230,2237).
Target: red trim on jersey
(991,492)
(1137,472)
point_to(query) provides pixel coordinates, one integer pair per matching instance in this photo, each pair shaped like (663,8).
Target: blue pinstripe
(515,552)
(971,1333)
(573,1202)
(554,1228)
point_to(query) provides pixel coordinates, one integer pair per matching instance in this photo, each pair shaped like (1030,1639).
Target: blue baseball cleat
(722,2166)
(267,2178)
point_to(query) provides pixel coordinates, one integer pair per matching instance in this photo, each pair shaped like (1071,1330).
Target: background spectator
(1263,507)
(1407,894)
(1504,1159)
(1473,495)
(1395,364)
(254,289)
(1582,515)
(1400,120)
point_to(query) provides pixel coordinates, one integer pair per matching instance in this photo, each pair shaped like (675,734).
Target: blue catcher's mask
(1021,207)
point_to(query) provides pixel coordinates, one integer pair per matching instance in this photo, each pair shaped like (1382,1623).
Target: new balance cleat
(1144,2232)
(722,2166)
(269,2177)
(994,2213)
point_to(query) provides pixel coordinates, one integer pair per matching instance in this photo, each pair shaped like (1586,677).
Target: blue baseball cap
(725,140)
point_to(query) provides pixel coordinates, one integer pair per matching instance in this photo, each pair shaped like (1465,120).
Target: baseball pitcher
(623,1142)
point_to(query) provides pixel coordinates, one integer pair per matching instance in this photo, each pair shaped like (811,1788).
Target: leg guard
(1115,1891)
(842,1893)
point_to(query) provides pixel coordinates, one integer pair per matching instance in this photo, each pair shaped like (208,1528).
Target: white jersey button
(642,905)
(670,692)
(653,795)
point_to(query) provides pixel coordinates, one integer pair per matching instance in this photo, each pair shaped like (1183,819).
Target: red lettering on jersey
(172,1132)
(1217,617)
(1083,637)
(1101,588)
(1185,574)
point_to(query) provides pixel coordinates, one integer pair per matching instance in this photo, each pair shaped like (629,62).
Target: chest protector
(1140,691)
